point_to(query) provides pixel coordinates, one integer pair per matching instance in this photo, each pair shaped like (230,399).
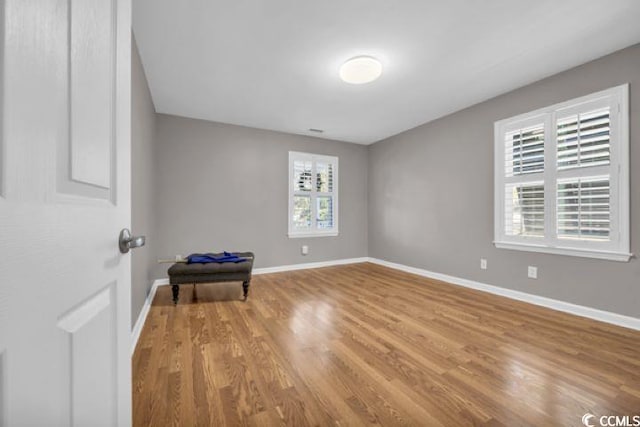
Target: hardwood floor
(364,344)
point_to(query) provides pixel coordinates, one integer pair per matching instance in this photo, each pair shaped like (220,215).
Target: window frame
(313,231)
(617,248)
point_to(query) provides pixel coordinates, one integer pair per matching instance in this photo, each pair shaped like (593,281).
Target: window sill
(585,253)
(331,233)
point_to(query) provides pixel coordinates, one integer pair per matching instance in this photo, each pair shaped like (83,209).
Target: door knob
(127,241)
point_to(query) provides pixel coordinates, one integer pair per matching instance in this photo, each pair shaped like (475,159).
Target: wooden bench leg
(245,289)
(176,290)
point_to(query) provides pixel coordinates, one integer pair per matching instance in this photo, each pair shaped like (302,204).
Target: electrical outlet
(483,263)
(532,272)
(305,250)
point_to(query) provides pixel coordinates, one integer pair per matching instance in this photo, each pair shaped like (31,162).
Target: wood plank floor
(364,344)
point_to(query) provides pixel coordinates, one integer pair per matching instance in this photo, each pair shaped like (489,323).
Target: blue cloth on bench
(217,258)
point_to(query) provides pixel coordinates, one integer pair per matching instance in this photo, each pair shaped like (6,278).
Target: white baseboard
(305,266)
(142,317)
(578,310)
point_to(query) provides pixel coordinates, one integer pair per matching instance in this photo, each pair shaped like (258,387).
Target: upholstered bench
(182,273)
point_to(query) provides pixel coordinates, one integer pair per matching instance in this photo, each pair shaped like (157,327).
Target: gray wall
(224,187)
(143,117)
(431,196)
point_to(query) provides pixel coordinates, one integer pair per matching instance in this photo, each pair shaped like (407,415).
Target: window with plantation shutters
(313,195)
(562,178)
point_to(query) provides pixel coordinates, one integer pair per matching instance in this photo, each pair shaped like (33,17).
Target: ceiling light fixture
(360,70)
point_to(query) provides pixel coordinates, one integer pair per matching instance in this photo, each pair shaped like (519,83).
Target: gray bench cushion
(180,273)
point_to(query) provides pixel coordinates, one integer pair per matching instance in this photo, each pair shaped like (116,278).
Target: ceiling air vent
(316,130)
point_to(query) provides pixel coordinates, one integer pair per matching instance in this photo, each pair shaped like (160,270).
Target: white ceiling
(273,64)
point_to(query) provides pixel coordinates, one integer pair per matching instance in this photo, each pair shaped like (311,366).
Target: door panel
(92,74)
(91,361)
(64,286)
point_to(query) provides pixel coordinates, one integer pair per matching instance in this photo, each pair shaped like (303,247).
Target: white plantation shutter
(583,193)
(562,178)
(301,215)
(324,200)
(324,218)
(523,177)
(324,177)
(584,206)
(302,170)
(583,139)
(524,151)
(313,195)
(524,209)
(302,183)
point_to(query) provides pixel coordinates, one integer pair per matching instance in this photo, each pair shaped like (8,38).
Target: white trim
(624,181)
(305,234)
(578,310)
(292,267)
(142,317)
(578,252)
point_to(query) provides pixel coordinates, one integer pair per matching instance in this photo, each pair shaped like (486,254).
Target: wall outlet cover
(483,263)
(532,272)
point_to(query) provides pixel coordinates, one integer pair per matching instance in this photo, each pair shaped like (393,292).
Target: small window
(313,195)
(562,178)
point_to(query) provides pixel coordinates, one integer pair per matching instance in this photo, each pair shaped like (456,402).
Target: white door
(64,197)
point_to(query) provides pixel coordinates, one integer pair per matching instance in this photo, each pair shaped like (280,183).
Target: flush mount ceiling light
(361,69)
